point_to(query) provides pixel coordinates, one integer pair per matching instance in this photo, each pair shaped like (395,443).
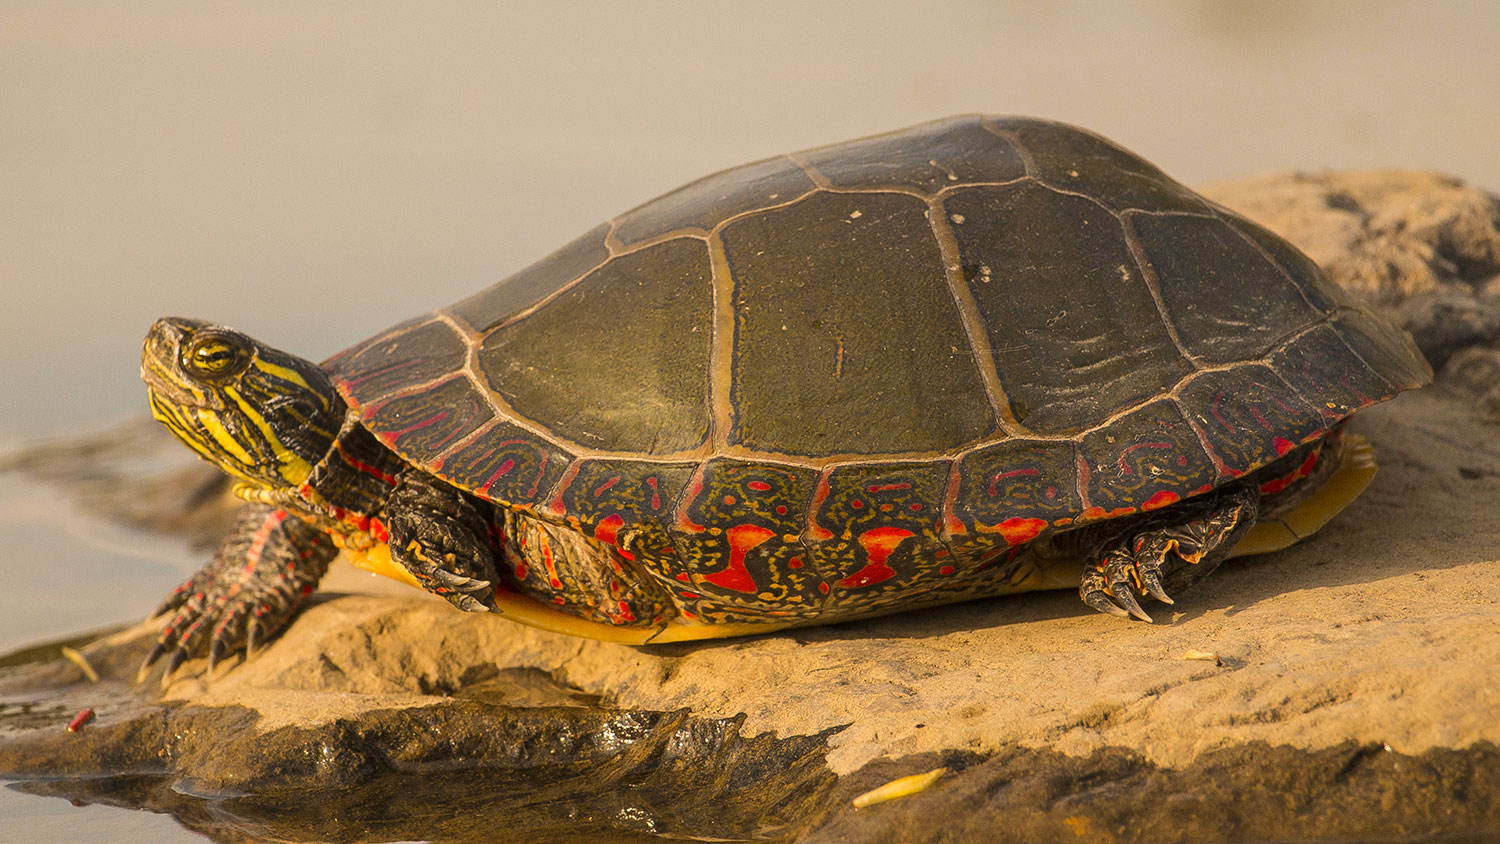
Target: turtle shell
(833,377)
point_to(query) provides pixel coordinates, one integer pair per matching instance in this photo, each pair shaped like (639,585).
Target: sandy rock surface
(1383,630)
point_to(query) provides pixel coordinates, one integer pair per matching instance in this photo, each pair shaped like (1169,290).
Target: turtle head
(260,414)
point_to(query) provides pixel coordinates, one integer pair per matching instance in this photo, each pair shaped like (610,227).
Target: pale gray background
(313,172)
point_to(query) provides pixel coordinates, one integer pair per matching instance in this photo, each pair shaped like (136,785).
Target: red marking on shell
(1283,445)
(823,587)
(759,486)
(815,531)
(1260,418)
(742,539)
(1123,466)
(1065,520)
(348,383)
(655,494)
(794,563)
(1161,499)
(608,529)
(856,504)
(729,501)
(391,436)
(1202,489)
(83,717)
(886,488)
(1092,513)
(1019,531)
(994,488)
(521,568)
(916,508)
(781,509)
(683,576)
(693,595)
(879,543)
(604,487)
(556,507)
(695,489)
(378,530)
(1051,492)
(945,570)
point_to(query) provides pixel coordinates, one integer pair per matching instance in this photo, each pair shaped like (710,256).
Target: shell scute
(738,532)
(701,205)
(1241,410)
(876,531)
(1224,300)
(1147,459)
(636,380)
(927,158)
(1072,323)
(507,464)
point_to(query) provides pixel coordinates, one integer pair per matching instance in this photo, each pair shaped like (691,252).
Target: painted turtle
(972,357)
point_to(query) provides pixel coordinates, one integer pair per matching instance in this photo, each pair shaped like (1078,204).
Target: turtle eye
(216,356)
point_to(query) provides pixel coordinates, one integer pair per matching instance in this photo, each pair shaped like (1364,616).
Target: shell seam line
(1153,289)
(721,345)
(973,323)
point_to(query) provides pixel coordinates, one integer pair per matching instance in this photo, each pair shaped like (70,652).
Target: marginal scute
(1074,330)
(876,532)
(506,464)
(619,361)
(1242,410)
(1384,348)
(709,201)
(416,352)
(845,343)
(1147,459)
(1321,367)
(498,302)
(737,530)
(1011,492)
(422,424)
(927,158)
(1226,301)
(628,504)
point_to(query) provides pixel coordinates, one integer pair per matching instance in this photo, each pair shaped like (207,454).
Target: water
(312,176)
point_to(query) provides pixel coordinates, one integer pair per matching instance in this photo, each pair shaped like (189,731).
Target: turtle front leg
(439,535)
(1179,548)
(247,593)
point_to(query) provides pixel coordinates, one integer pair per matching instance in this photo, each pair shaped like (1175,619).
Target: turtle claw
(1101,602)
(1151,585)
(1129,604)
(251,588)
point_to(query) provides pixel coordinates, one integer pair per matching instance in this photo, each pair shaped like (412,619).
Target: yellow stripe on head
(290,466)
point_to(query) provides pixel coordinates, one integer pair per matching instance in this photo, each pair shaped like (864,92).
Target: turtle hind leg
(1179,547)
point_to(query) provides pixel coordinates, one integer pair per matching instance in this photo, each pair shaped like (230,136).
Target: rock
(1383,234)
(1383,631)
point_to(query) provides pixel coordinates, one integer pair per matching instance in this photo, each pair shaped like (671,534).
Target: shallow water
(313,177)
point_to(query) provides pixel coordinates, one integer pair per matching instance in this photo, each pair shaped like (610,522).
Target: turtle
(975,356)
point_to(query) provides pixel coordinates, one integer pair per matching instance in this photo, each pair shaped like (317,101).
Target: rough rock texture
(1339,659)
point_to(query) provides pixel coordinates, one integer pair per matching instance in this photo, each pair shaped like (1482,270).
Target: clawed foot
(246,594)
(440,573)
(1172,553)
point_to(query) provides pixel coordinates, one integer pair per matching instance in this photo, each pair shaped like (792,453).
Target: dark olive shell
(891,356)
